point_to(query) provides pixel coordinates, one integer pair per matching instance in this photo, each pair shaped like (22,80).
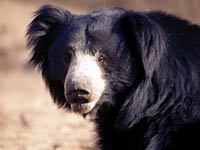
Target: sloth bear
(137,74)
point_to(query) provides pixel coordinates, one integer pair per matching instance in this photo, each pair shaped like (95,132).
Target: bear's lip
(82,108)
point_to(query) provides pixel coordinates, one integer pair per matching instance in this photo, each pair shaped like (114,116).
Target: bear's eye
(102,60)
(67,58)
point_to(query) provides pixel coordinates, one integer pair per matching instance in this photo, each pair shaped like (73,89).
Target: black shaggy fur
(152,101)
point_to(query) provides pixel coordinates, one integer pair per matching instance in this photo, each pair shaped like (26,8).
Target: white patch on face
(86,74)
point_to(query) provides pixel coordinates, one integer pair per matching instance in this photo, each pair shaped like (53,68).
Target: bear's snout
(84,83)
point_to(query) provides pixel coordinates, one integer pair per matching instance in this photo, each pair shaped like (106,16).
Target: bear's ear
(145,37)
(43,30)
(147,42)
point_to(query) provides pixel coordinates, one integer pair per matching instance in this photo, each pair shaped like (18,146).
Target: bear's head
(93,59)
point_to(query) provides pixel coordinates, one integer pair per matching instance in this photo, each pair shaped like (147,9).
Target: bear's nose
(78,96)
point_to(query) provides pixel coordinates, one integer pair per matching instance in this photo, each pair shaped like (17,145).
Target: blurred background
(28,118)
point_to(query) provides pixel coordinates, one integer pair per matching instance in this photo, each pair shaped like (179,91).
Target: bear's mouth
(82,108)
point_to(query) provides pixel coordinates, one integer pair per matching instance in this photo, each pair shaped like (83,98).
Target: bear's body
(136,74)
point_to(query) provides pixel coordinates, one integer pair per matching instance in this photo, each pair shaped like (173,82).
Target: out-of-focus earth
(28,118)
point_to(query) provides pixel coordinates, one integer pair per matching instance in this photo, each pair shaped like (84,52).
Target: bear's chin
(82,108)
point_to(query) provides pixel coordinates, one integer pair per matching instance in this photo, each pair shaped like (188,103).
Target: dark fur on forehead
(108,12)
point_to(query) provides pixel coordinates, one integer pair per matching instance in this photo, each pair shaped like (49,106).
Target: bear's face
(86,60)
(90,62)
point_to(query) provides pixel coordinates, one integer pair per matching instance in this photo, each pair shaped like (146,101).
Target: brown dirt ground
(28,118)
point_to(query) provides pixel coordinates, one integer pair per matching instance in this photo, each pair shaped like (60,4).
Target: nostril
(78,96)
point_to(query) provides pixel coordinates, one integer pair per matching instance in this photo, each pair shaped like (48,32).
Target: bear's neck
(113,138)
